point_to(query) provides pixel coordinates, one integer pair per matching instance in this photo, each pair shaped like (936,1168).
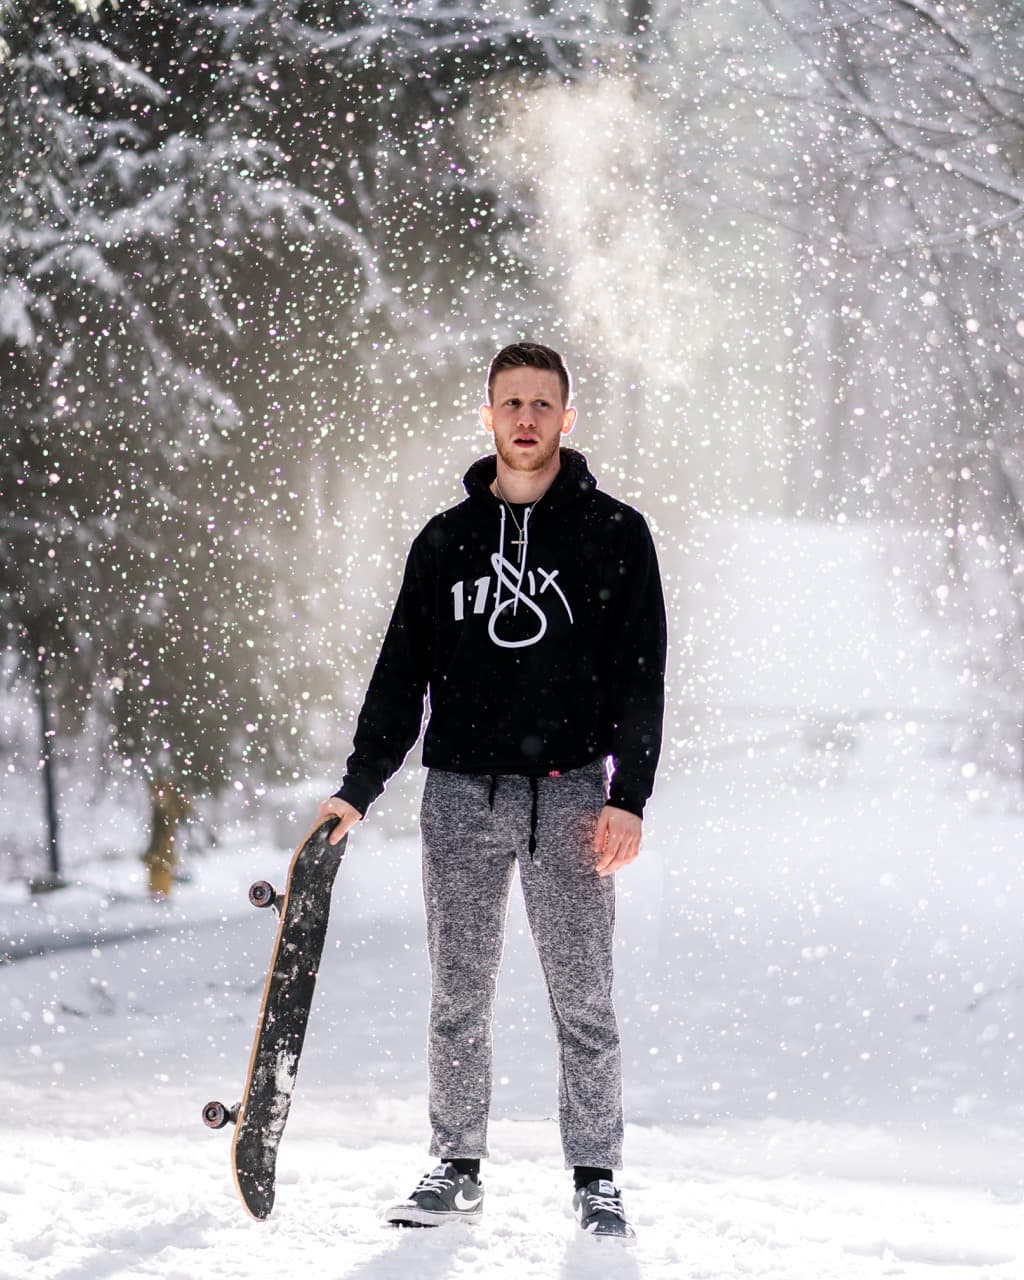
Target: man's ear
(487,416)
(568,420)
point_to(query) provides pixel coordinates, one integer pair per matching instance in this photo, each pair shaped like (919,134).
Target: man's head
(530,355)
(527,409)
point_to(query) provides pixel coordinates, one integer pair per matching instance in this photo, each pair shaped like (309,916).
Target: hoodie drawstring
(501,562)
(520,568)
(522,558)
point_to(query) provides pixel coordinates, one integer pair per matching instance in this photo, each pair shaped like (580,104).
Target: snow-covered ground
(820,975)
(817,984)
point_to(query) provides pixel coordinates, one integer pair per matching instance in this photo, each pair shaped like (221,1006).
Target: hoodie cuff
(623,797)
(358,794)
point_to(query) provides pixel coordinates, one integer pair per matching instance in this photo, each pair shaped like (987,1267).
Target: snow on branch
(15,315)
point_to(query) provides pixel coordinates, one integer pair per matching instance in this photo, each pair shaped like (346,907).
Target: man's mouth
(525,440)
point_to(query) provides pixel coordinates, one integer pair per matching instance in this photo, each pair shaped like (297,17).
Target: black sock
(472,1167)
(585,1174)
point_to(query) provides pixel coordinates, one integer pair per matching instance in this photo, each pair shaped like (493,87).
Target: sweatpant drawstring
(533,810)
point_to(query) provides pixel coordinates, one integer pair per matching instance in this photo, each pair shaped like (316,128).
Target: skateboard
(260,1117)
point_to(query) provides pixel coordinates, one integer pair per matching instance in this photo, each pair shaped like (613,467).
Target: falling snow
(254,257)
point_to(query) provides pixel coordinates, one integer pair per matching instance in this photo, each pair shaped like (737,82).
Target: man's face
(527,417)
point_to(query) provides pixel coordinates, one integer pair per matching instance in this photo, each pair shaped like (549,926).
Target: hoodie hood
(574,480)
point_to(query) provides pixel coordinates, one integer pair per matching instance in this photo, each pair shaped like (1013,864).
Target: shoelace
(433,1181)
(611,1204)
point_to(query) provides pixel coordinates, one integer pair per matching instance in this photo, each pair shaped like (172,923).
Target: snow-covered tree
(209,205)
(356,347)
(907,199)
(118,554)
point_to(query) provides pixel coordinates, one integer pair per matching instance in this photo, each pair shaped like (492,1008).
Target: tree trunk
(48,735)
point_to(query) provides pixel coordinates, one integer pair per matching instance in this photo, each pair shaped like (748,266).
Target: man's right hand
(335,807)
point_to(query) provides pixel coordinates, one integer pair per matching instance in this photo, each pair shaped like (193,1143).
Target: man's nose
(527,418)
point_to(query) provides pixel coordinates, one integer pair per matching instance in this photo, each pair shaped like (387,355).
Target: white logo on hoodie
(512,578)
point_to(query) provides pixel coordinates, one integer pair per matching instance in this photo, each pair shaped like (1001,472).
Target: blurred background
(254,258)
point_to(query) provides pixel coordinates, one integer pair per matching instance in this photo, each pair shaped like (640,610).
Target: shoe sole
(410,1217)
(605,1235)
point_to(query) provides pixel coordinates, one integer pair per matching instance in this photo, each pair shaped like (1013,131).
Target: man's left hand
(617,839)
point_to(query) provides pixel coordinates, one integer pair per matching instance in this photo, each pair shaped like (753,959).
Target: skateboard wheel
(216,1115)
(262,894)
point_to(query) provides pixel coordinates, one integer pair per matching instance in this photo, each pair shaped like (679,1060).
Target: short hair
(529,355)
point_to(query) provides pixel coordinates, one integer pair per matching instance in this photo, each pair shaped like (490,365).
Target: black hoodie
(539,634)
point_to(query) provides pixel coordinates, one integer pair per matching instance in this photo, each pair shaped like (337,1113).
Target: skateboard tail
(257,1143)
(256,1195)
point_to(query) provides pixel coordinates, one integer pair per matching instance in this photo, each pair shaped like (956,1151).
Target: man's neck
(524,486)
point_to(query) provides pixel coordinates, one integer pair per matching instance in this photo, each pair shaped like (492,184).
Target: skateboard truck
(263,894)
(216,1115)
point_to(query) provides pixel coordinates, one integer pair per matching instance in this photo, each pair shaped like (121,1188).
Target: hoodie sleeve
(392,712)
(638,676)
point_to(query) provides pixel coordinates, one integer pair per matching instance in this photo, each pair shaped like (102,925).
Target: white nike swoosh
(462,1203)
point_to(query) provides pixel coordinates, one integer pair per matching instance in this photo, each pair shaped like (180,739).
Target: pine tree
(122,521)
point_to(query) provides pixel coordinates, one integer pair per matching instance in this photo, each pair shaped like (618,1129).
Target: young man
(532,614)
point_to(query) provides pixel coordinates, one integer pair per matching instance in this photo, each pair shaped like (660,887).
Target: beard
(535,460)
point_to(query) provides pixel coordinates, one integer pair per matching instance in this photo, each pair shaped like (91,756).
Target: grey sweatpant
(474,830)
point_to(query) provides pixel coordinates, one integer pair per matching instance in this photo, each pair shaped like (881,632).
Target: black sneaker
(443,1195)
(599,1212)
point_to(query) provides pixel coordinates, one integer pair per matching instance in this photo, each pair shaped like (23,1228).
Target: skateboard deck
(261,1115)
